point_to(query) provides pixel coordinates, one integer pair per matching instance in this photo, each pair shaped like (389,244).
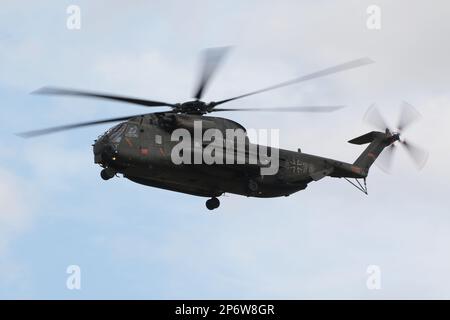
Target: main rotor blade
(313,109)
(417,154)
(342,67)
(40,132)
(374,117)
(384,160)
(212,58)
(408,116)
(89,94)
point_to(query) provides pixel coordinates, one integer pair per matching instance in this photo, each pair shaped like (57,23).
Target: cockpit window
(132,131)
(116,133)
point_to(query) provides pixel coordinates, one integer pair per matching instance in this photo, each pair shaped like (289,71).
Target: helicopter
(141,147)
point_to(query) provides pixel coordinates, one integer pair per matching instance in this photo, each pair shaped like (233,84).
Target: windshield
(115,134)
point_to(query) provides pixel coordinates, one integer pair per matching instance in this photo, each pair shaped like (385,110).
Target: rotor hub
(392,136)
(396,136)
(194,107)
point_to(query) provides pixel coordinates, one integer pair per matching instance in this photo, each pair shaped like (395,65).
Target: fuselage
(142,150)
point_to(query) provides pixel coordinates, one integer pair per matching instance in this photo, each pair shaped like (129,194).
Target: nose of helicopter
(103,151)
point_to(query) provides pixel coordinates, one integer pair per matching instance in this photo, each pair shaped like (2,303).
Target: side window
(132,131)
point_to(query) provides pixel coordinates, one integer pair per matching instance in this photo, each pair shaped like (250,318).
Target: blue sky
(137,242)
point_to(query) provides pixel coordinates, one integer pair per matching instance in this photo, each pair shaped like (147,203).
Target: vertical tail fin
(377,142)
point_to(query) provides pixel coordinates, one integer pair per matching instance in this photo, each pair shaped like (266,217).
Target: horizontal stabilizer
(366,138)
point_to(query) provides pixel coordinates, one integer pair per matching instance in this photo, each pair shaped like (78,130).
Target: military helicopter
(141,147)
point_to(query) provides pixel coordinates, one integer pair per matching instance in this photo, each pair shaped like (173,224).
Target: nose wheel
(212,203)
(107,173)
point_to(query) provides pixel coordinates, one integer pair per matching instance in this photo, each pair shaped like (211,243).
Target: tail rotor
(408,116)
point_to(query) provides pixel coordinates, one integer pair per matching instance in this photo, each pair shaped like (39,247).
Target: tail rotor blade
(384,160)
(374,117)
(408,116)
(417,154)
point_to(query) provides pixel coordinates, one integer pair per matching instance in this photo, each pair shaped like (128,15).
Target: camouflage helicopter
(141,146)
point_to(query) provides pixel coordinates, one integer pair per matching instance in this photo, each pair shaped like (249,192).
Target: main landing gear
(212,203)
(107,173)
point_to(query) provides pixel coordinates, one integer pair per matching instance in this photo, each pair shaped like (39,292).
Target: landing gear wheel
(212,203)
(107,173)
